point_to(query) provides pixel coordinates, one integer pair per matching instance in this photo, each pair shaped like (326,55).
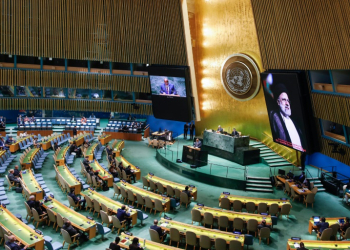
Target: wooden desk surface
(174,185)
(69,178)
(145,193)
(211,233)
(137,171)
(90,151)
(103,173)
(61,155)
(126,240)
(78,220)
(30,155)
(15,146)
(21,231)
(231,215)
(331,221)
(293,185)
(31,184)
(111,204)
(320,245)
(105,139)
(245,199)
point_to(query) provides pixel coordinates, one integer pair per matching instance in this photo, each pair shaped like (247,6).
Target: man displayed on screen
(284,129)
(167,88)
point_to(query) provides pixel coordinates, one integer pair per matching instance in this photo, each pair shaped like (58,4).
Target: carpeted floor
(139,154)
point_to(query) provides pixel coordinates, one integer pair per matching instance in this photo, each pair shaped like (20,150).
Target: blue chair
(248,240)
(141,216)
(274,220)
(102,230)
(53,246)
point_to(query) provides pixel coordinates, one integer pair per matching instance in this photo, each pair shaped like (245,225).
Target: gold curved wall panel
(224,28)
(81,105)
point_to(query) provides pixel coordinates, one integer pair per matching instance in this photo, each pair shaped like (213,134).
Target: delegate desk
(111,204)
(15,146)
(212,234)
(194,156)
(116,146)
(174,185)
(21,231)
(292,184)
(331,221)
(157,134)
(245,199)
(36,132)
(79,139)
(28,158)
(31,185)
(126,240)
(136,190)
(47,143)
(102,173)
(64,175)
(135,170)
(61,155)
(78,220)
(105,139)
(231,148)
(319,245)
(125,136)
(231,215)
(90,151)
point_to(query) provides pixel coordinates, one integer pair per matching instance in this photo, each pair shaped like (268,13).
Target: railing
(323,169)
(212,165)
(287,153)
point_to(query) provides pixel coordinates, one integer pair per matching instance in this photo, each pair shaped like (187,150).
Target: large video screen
(284,106)
(171,92)
(168,85)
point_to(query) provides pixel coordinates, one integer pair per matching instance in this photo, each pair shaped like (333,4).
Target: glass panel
(341,80)
(21,91)
(6,91)
(78,93)
(55,93)
(321,80)
(34,91)
(333,130)
(121,95)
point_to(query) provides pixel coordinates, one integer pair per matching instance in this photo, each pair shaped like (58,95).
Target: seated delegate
(158,229)
(322,225)
(197,143)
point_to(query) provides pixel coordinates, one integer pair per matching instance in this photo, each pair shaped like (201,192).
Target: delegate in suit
(197,143)
(167,88)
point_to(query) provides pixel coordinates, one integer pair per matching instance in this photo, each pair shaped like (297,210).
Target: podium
(194,156)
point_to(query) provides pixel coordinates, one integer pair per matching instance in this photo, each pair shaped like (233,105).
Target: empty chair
(235,244)
(208,219)
(170,191)
(335,228)
(345,235)
(250,207)
(124,194)
(116,190)
(273,209)
(102,230)
(294,195)
(196,216)
(60,221)
(225,203)
(277,182)
(97,207)
(53,246)
(140,200)
(105,218)
(160,188)
(223,222)
(326,234)
(89,204)
(205,242)
(238,224)
(264,233)
(174,236)
(158,206)
(262,208)
(220,243)
(314,190)
(237,205)
(152,186)
(177,193)
(52,217)
(310,198)
(148,204)
(131,197)
(252,226)
(287,188)
(145,182)
(69,239)
(285,209)
(191,239)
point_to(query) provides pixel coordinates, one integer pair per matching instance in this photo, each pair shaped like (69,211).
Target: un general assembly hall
(175,124)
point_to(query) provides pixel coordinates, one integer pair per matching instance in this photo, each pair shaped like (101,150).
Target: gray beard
(286,112)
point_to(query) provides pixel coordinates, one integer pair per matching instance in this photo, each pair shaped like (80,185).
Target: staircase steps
(317,183)
(268,154)
(272,157)
(276,160)
(282,164)
(259,184)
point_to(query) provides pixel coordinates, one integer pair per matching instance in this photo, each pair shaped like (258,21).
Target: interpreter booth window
(78,93)
(101,94)
(55,92)
(23,91)
(7,91)
(333,130)
(124,96)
